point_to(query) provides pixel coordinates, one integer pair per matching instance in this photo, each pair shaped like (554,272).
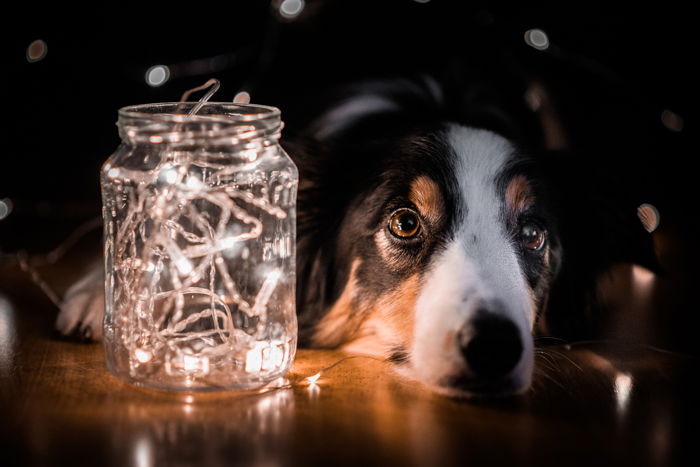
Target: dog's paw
(82,308)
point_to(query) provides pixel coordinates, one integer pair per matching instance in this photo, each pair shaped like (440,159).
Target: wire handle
(214,86)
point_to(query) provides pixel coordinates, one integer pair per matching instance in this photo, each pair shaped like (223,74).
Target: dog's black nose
(491,345)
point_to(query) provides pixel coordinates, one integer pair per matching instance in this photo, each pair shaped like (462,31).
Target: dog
(438,231)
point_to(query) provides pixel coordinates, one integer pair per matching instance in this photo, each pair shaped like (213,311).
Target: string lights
(199,213)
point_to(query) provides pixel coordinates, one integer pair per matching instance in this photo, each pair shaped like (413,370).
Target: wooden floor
(591,404)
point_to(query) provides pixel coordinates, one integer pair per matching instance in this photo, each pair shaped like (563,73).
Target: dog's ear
(598,228)
(319,272)
(348,106)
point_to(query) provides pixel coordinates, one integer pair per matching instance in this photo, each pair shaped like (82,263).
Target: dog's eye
(404,223)
(532,237)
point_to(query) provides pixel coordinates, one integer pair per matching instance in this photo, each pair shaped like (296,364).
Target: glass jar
(199,238)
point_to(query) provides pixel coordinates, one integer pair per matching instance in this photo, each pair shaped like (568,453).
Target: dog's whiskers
(562,355)
(541,372)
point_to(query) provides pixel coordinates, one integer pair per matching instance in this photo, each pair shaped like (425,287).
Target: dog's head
(431,242)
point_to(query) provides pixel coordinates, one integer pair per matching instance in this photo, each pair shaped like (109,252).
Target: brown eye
(404,223)
(532,237)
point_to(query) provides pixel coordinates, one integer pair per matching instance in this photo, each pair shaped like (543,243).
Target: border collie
(433,234)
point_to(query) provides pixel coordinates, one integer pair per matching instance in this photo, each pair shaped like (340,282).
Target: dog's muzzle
(492,349)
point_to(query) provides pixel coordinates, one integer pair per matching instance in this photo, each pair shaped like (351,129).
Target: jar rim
(255,112)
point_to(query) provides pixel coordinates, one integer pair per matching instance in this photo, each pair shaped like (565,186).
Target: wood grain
(590,405)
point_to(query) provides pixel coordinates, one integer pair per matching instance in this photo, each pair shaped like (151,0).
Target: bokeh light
(242,98)
(157,75)
(290,9)
(537,39)
(5,208)
(672,120)
(649,216)
(36,51)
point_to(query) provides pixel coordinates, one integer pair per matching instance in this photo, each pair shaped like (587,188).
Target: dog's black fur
(594,218)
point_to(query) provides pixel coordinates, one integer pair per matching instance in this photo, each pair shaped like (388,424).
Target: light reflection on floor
(7,336)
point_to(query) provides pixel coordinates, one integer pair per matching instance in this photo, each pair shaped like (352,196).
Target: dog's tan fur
(343,320)
(426,195)
(519,195)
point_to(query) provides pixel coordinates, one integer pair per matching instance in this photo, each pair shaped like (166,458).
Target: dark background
(615,70)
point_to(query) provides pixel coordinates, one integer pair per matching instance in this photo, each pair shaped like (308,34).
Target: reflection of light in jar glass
(266,356)
(193,183)
(195,364)
(168,174)
(253,360)
(143,355)
(7,336)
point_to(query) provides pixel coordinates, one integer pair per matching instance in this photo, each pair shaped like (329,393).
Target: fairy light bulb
(313,379)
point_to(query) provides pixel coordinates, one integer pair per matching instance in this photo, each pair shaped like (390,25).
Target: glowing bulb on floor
(314,378)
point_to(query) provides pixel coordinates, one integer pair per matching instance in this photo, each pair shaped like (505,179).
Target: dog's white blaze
(481,158)
(478,269)
(441,311)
